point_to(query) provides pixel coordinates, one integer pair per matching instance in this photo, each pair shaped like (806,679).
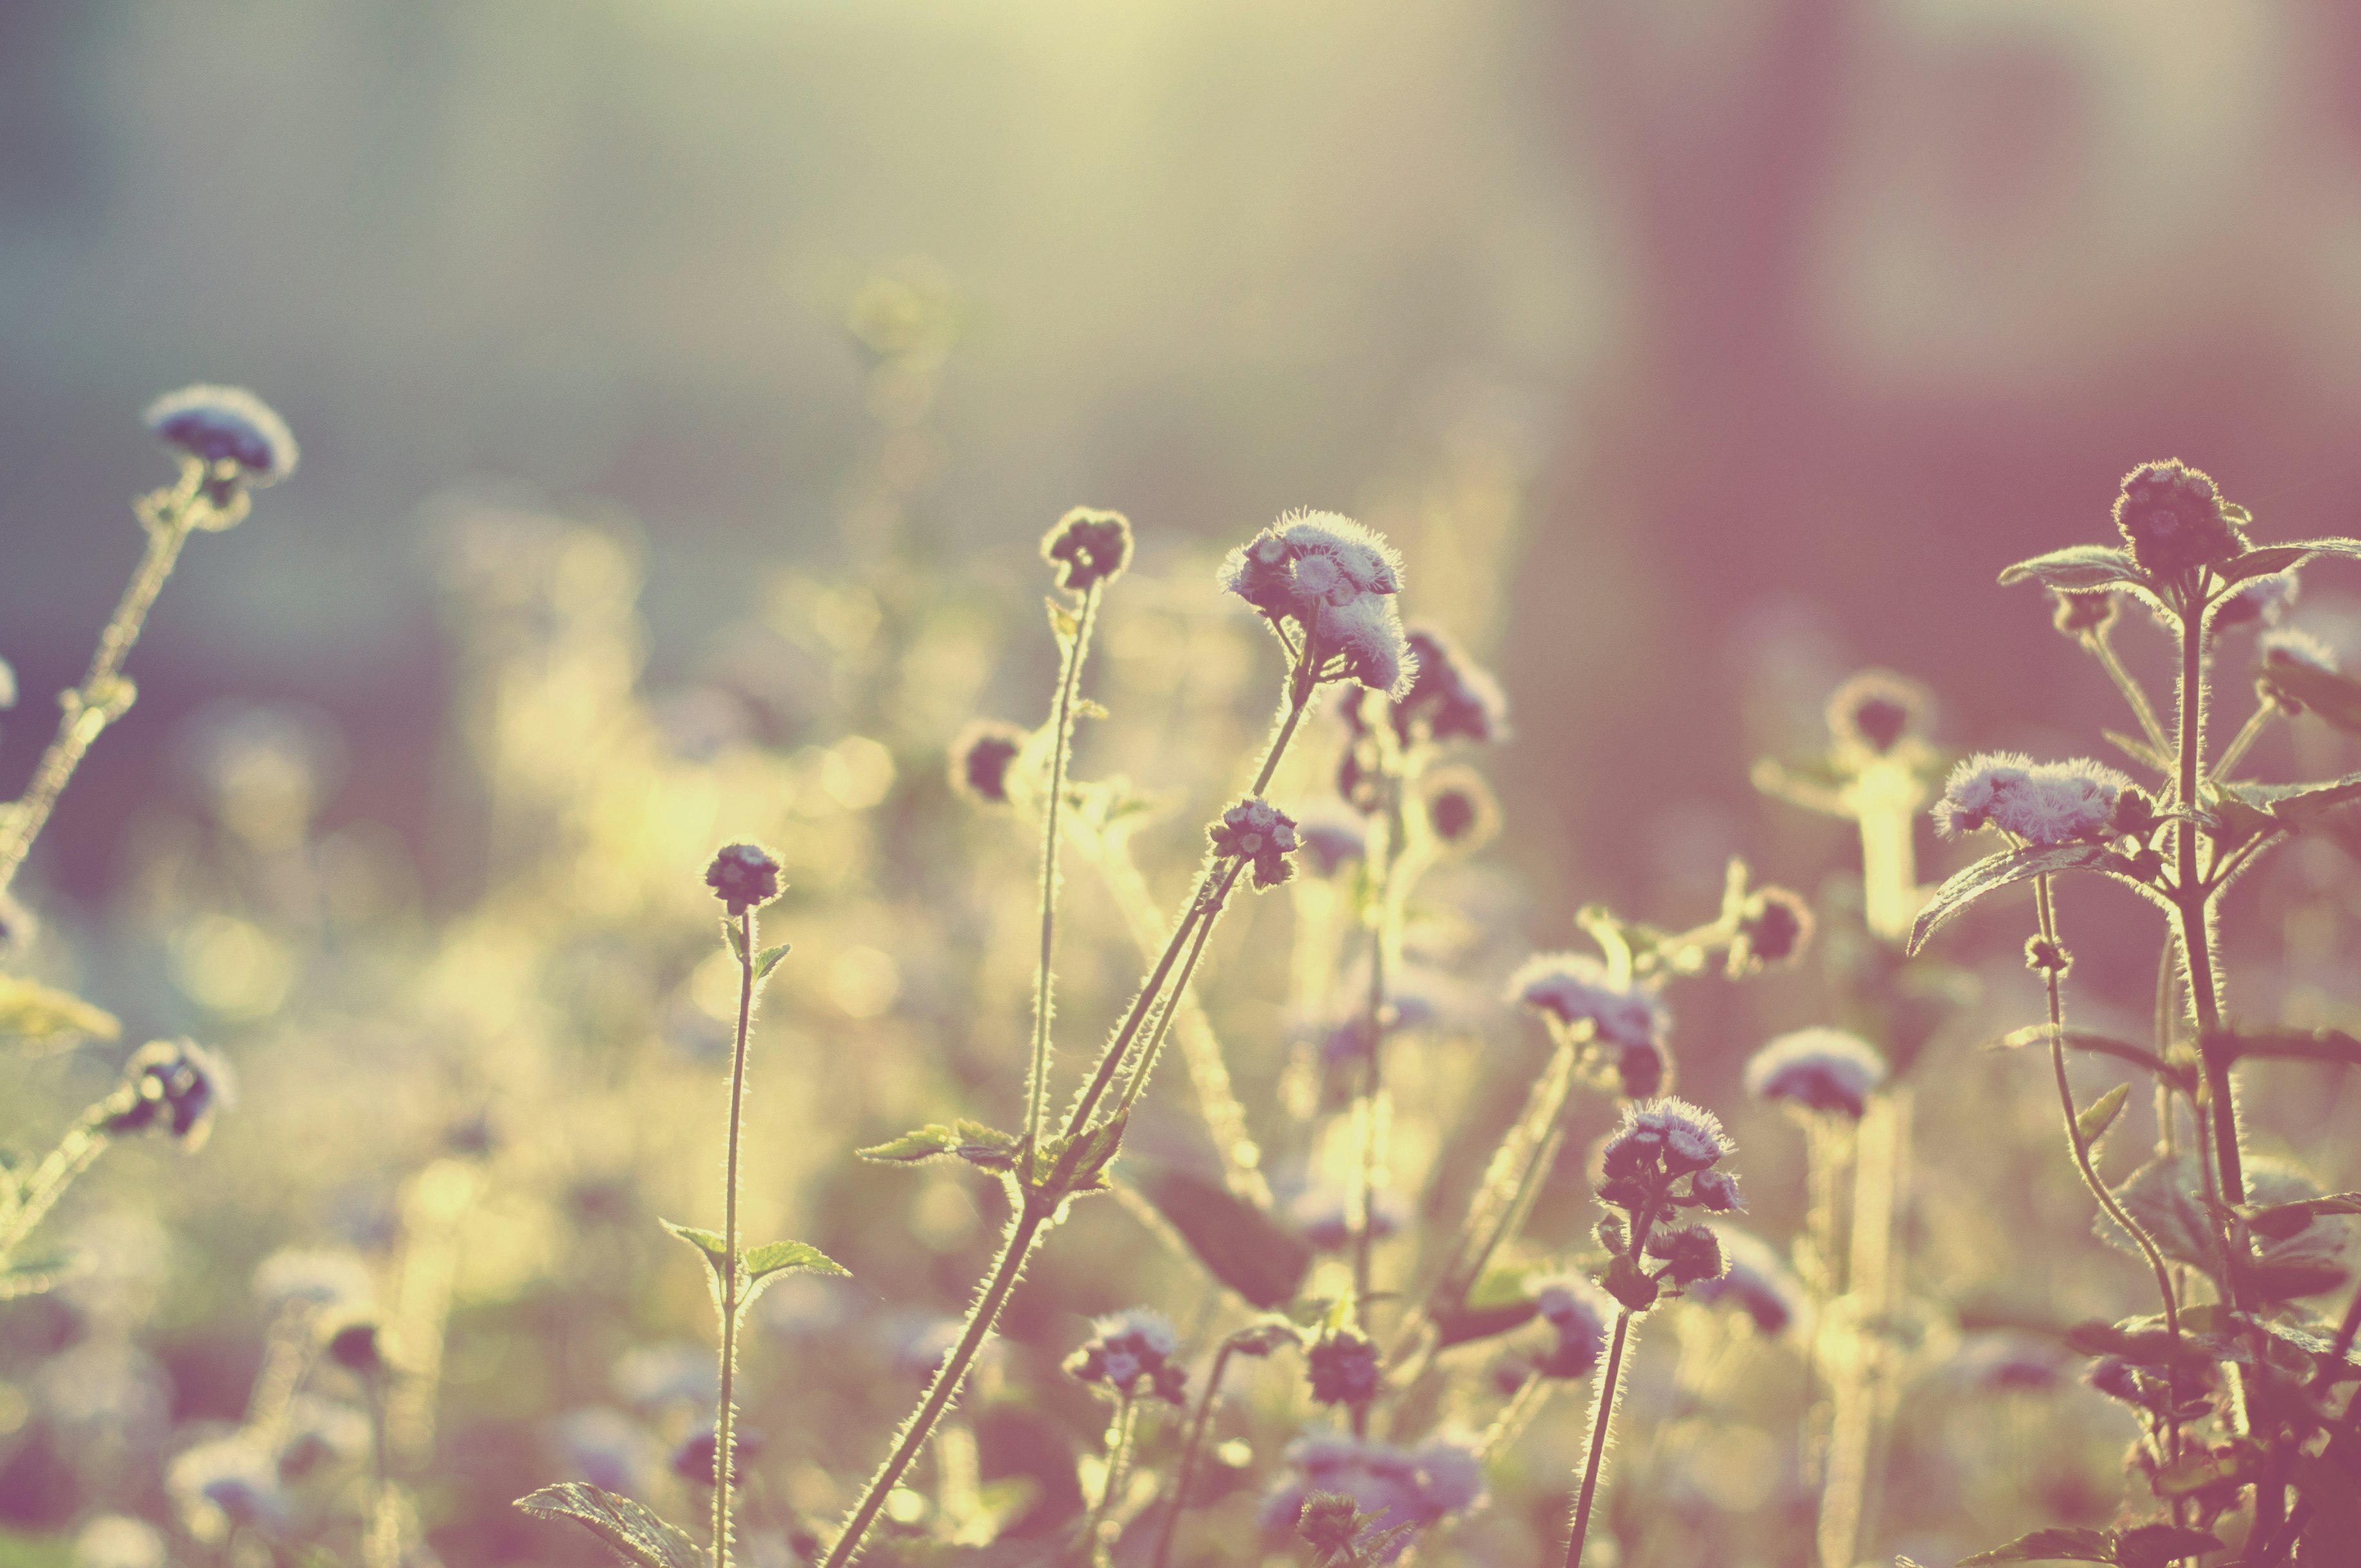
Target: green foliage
(632,1531)
(2094,1120)
(980,1146)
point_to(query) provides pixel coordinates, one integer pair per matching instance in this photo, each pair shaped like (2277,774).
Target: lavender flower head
(227,426)
(1337,581)
(1819,1070)
(743,876)
(1258,832)
(1331,838)
(1666,1138)
(2172,517)
(1131,1353)
(1393,1486)
(2285,645)
(1757,1282)
(1323,1217)
(1460,808)
(1450,697)
(1575,987)
(2045,804)
(1579,1312)
(1343,1368)
(224,1484)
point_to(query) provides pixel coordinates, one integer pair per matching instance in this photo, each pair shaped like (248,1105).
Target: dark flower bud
(1460,807)
(693,1460)
(1343,1366)
(2135,814)
(1131,1353)
(2048,958)
(1876,710)
(1689,1255)
(355,1341)
(1329,1521)
(1613,1234)
(1817,1070)
(1257,832)
(2083,615)
(1773,928)
(237,436)
(175,1086)
(1640,1070)
(981,759)
(2172,517)
(1088,547)
(1716,1191)
(1629,1192)
(743,876)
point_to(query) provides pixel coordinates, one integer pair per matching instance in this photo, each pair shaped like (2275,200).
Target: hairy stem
(2190,901)
(2133,693)
(1610,1393)
(1062,746)
(725,1408)
(1146,1064)
(1185,1473)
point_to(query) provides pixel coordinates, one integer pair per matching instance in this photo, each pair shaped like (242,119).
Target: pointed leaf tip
(632,1531)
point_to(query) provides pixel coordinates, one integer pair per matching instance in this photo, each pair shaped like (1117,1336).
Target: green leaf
(2094,1120)
(1063,623)
(2289,1045)
(2154,1545)
(2161,1197)
(735,937)
(788,1258)
(2269,558)
(1996,871)
(31,1010)
(767,960)
(2298,806)
(706,1242)
(1239,1243)
(2102,1044)
(633,1533)
(2050,1546)
(970,1141)
(2078,568)
(1092,1150)
(1495,1304)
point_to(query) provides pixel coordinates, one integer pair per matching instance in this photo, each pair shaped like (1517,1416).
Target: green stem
(1037,1083)
(1138,1081)
(1610,1391)
(1185,1473)
(725,1409)
(87,713)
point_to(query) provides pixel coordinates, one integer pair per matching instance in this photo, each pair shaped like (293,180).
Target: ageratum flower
(176,1087)
(1388,1486)
(1575,988)
(743,876)
(2172,517)
(1664,1139)
(981,757)
(1450,697)
(225,426)
(2044,804)
(1336,581)
(1131,1353)
(1757,1283)
(1343,1367)
(2285,645)
(1876,710)
(1691,1254)
(1088,547)
(1259,833)
(1819,1070)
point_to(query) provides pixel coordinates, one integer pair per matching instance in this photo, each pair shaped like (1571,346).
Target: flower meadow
(1145,1130)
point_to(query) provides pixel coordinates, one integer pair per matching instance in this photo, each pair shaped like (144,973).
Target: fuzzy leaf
(786,1258)
(709,1245)
(1239,1243)
(1495,1304)
(2160,1196)
(2269,558)
(970,1141)
(2094,1120)
(1996,871)
(2154,1545)
(2078,568)
(633,1533)
(767,960)
(31,1010)
(2336,698)
(1063,623)
(2100,1044)
(735,937)
(2298,806)
(2050,1546)
(2278,1221)
(2290,1044)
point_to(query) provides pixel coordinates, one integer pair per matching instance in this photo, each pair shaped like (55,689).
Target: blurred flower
(314,1431)
(2285,645)
(177,1086)
(317,1276)
(1876,710)
(1691,1254)
(2080,614)
(1337,580)
(1343,1367)
(1716,1191)
(1331,837)
(1774,925)
(17,926)
(1088,547)
(1670,1137)
(1450,697)
(604,1447)
(743,876)
(1460,807)
(1323,1216)
(218,425)
(1757,1282)
(2264,599)
(981,759)
(1579,1312)
(1641,1071)
(2045,804)
(118,1541)
(1131,1353)
(228,1482)
(2173,518)
(692,1459)
(1255,831)
(1393,1486)
(354,1340)
(1575,987)
(1998,1361)
(1820,1070)
(652,1376)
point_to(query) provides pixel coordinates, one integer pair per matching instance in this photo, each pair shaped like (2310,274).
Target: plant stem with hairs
(725,1408)
(1074,648)
(1185,1473)
(1602,1417)
(1119,1440)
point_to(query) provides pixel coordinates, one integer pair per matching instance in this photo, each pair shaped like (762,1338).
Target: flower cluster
(2173,518)
(1450,697)
(1131,1353)
(225,428)
(1258,832)
(743,876)
(1818,1070)
(174,1086)
(1388,1486)
(1088,547)
(981,757)
(1630,1019)
(1343,1367)
(2044,804)
(1659,1146)
(1579,1312)
(1336,581)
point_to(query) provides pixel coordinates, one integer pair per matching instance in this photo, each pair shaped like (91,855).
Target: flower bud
(1343,1366)
(2083,615)
(981,757)
(743,876)
(238,438)
(1088,547)
(1259,833)
(175,1086)
(2172,517)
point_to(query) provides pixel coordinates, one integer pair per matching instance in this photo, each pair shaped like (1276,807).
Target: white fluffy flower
(1575,986)
(2042,803)
(1822,1069)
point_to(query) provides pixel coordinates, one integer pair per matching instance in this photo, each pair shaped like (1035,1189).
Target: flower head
(175,1086)
(224,1484)
(1088,547)
(2044,804)
(1131,1353)
(1690,1253)
(1579,1312)
(1321,1216)
(1460,810)
(1663,1139)
(1259,833)
(1575,987)
(1757,1282)
(1450,697)
(225,428)
(2284,645)
(1642,1071)
(1337,580)
(1819,1070)
(2172,517)
(981,757)
(1331,838)
(1356,1489)
(1343,1366)
(314,1276)
(1774,928)
(743,876)
(1876,710)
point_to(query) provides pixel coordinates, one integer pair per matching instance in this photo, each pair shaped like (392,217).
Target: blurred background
(698,376)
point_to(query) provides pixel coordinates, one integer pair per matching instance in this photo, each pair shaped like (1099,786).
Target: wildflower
(1088,547)
(1691,1253)
(2083,614)
(1575,988)
(1999,1362)
(225,428)
(1756,1282)
(2172,517)
(176,1085)
(227,1482)
(2044,804)
(1322,1217)
(1874,710)
(1343,1365)
(1716,1191)
(653,1376)
(2284,645)
(1131,1353)
(314,1277)
(981,757)
(743,877)
(1382,1488)
(1773,926)
(1460,808)
(2265,599)
(1449,696)
(1664,1139)
(1329,1521)
(693,1458)
(1331,839)
(1819,1070)
(119,1541)
(1337,580)
(1258,832)
(1579,1312)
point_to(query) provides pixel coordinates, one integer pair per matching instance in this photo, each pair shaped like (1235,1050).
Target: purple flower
(1820,1070)
(1255,831)
(2172,517)
(218,425)
(743,876)
(1579,1311)
(1450,697)
(1343,1367)
(2045,804)
(1388,1486)
(1131,1353)
(1088,547)
(177,1085)
(1756,1282)
(981,759)
(1876,710)
(1337,581)
(1575,987)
